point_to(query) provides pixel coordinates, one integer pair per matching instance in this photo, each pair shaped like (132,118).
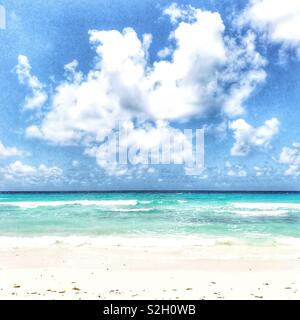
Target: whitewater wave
(133,210)
(267,213)
(289,241)
(265,206)
(36,204)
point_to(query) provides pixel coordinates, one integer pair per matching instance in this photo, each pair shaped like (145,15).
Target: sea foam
(256,213)
(266,205)
(119,241)
(36,204)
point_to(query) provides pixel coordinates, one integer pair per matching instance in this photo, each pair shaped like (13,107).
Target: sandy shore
(86,272)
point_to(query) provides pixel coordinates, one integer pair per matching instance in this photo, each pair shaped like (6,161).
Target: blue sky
(71,71)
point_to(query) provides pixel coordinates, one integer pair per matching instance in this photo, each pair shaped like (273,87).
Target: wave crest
(36,204)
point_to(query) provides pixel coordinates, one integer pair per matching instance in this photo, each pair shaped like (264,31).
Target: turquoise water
(241,217)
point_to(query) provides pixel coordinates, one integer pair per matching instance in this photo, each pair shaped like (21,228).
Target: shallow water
(206,218)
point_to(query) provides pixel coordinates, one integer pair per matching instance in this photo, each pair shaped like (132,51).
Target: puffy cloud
(201,72)
(164,53)
(292,170)
(207,72)
(17,170)
(38,96)
(237,173)
(142,145)
(247,137)
(291,157)
(262,171)
(235,170)
(177,12)
(9,151)
(279,20)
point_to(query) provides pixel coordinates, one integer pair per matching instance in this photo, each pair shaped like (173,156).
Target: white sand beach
(88,272)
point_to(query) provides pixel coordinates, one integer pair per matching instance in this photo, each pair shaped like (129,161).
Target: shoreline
(119,272)
(151,240)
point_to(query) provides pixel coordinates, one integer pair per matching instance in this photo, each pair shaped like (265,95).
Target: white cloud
(237,173)
(292,170)
(17,170)
(279,20)
(70,72)
(291,157)
(200,72)
(151,170)
(207,73)
(9,151)
(235,170)
(177,12)
(145,144)
(262,171)
(247,137)
(37,95)
(164,53)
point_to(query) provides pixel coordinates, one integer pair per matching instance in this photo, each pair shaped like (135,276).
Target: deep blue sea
(204,218)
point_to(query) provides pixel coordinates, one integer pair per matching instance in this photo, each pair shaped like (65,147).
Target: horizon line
(150,191)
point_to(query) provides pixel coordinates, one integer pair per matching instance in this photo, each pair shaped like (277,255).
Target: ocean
(132,218)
